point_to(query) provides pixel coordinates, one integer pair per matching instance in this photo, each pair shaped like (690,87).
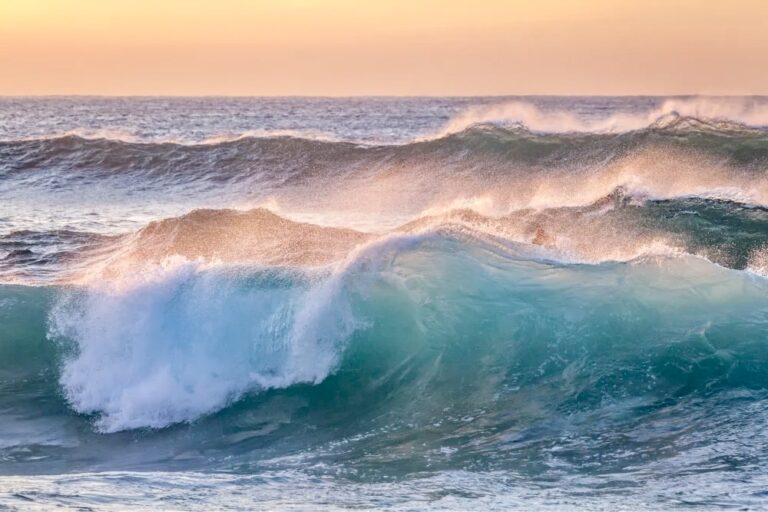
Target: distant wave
(699,112)
(694,185)
(515,168)
(718,111)
(130,137)
(617,227)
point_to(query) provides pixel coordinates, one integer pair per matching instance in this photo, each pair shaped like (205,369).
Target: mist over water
(468,303)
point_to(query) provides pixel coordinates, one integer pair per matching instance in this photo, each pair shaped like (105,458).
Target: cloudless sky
(387,47)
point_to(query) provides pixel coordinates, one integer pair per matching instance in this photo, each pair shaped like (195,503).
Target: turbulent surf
(478,303)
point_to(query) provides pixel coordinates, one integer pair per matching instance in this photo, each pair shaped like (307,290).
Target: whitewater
(384,303)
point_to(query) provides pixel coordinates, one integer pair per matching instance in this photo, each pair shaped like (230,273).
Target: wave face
(562,306)
(426,354)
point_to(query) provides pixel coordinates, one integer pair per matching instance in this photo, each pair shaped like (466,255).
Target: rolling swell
(617,227)
(294,156)
(495,357)
(491,169)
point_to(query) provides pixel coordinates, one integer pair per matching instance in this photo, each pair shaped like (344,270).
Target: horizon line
(382,96)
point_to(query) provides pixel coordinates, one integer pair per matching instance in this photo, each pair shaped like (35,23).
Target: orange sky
(388,47)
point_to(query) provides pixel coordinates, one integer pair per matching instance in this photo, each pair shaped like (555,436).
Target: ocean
(506,303)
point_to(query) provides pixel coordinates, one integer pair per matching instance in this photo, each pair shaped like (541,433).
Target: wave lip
(183,339)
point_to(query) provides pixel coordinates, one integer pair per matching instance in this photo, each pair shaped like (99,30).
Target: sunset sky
(392,47)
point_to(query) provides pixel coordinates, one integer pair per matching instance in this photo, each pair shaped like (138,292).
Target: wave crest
(723,112)
(180,341)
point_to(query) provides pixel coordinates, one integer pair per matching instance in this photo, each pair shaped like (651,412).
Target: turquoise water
(504,317)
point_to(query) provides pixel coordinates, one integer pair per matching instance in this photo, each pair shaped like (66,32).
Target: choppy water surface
(470,303)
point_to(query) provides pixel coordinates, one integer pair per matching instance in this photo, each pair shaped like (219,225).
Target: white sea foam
(181,340)
(172,342)
(739,110)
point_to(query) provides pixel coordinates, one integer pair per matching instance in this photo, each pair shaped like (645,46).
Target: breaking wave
(713,112)
(526,292)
